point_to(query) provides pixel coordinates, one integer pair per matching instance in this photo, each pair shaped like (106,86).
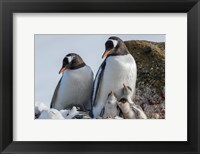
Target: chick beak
(124,85)
(106,53)
(112,93)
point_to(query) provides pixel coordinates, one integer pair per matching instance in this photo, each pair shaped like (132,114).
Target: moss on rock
(150,86)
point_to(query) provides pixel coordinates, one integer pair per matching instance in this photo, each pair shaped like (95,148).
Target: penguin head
(72,61)
(124,105)
(115,46)
(123,100)
(112,98)
(127,90)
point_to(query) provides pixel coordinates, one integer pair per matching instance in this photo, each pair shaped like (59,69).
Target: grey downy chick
(110,109)
(139,112)
(128,94)
(126,109)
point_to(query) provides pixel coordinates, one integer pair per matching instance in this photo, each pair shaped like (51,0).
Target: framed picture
(103,76)
(148,65)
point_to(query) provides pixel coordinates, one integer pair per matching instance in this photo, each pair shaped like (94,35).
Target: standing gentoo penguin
(118,68)
(75,85)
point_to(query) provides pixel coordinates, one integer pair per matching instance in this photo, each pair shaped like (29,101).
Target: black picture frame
(8,7)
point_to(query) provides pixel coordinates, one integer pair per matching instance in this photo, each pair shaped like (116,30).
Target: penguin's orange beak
(106,53)
(62,69)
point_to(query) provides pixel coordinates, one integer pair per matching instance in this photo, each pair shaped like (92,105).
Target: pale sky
(51,49)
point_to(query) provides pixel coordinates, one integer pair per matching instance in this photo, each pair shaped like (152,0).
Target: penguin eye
(109,45)
(65,61)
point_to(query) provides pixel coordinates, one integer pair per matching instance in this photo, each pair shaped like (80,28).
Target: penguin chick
(127,93)
(126,109)
(110,110)
(139,112)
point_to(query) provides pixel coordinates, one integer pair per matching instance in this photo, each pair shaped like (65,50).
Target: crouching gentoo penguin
(119,67)
(75,85)
(110,110)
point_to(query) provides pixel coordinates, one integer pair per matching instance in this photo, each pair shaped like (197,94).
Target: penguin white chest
(119,70)
(75,88)
(110,110)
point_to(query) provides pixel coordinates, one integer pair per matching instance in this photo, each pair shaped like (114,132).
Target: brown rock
(150,60)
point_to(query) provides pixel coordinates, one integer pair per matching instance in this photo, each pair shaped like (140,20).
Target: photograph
(99,76)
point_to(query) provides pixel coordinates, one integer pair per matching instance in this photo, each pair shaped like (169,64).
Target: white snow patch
(117,117)
(69,114)
(44,112)
(39,107)
(51,114)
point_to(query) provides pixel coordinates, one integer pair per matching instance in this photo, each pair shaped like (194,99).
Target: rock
(150,85)
(147,49)
(155,116)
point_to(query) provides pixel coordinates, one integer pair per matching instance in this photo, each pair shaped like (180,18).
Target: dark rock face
(150,86)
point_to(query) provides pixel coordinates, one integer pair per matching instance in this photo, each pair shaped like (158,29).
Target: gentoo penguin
(118,67)
(127,110)
(75,85)
(110,110)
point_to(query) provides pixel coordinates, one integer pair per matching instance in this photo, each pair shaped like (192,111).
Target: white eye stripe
(70,58)
(114,42)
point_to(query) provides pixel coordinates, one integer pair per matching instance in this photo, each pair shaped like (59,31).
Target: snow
(44,112)
(39,107)
(69,114)
(51,114)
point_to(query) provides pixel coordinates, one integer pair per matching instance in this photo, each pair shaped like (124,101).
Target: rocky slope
(150,86)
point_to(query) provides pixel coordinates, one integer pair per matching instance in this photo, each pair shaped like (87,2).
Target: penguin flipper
(55,94)
(97,83)
(118,111)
